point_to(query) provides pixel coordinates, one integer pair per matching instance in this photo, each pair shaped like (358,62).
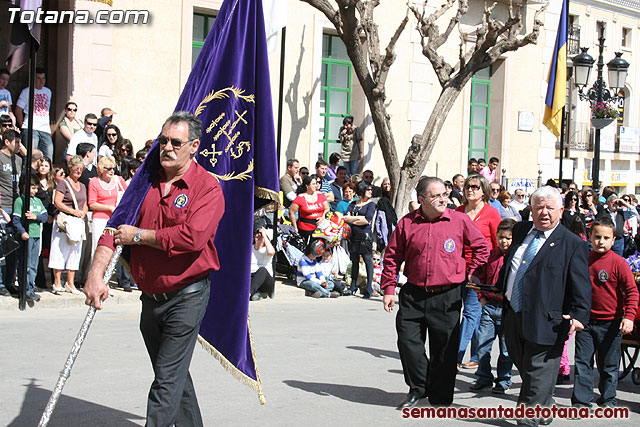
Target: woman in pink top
(105,191)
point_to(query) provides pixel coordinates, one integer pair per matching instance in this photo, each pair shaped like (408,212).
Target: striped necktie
(527,257)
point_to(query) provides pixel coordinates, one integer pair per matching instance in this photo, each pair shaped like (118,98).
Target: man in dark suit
(545,280)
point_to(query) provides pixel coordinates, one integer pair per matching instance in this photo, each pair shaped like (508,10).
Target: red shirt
(614,291)
(487,221)
(432,250)
(310,210)
(185,221)
(488,273)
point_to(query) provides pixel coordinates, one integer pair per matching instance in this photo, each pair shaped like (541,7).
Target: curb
(66,300)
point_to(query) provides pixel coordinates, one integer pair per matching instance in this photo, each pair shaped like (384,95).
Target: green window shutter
(335,92)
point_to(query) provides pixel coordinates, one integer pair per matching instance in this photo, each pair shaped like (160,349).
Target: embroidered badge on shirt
(449,245)
(181,201)
(603,275)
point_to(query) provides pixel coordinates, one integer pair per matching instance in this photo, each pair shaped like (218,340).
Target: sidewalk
(284,288)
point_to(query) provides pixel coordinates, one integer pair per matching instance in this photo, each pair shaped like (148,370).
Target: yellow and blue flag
(557,88)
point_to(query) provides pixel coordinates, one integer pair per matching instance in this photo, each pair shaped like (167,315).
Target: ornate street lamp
(602,100)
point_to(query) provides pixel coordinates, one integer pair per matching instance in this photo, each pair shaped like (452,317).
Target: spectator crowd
(79,170)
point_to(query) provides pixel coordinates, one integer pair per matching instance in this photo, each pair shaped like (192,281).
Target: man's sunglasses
(72,109)
(175,143)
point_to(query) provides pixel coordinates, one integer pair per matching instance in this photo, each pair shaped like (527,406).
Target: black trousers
(438,313)
(538,364)
(170,330)
(262,281)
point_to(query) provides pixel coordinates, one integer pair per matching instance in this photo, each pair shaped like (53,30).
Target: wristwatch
(137,237)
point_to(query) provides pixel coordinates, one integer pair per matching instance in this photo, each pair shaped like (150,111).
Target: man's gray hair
(424,183)
(612,197)
(194,123)
(546,192)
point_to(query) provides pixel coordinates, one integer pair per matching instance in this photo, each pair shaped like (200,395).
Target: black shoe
(127,289)
(545,421)
(346,292)
(32,296)
(477,387)
(498,389)
(411,401)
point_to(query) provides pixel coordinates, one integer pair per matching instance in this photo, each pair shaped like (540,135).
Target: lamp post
(598,95)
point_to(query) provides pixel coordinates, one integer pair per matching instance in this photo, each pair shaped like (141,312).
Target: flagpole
(77,344)
(562,141)
(27,198)
(281,94)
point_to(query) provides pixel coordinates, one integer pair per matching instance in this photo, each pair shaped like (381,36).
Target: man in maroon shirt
(430,242)
(172,254)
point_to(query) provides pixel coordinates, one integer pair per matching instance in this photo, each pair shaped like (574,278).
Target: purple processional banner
(229,90)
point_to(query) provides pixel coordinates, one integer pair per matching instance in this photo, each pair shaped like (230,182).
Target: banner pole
(75,349)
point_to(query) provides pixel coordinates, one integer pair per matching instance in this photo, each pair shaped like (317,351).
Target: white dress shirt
(517,257)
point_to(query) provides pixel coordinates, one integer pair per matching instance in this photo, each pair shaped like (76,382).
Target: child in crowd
(377,270)
(491,319)
(361,281)
(30,232)
(5,96)
(614,303)
(330,271)
(311,278)
(577,227)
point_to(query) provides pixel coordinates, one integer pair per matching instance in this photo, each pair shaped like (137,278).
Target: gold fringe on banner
(265,193)
(231,368)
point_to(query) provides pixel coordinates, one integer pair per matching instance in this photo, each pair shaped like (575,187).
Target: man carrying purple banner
(172,254)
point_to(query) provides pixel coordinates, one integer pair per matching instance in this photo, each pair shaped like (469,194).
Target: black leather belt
(189,289)
(433,289)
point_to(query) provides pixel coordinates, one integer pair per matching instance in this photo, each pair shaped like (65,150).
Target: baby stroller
(631,348)
(290,246)
(289,250)
(330,232)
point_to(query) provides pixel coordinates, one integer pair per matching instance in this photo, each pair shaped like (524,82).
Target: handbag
(71,225)
(8,243)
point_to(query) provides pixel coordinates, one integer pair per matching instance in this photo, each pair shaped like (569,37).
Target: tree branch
(494,38)
(389,58)
(431,39)
(327,9)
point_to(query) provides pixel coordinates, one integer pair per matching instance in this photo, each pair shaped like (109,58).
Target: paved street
(322,362)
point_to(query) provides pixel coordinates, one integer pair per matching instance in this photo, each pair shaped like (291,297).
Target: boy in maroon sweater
(491,320)
(613,308)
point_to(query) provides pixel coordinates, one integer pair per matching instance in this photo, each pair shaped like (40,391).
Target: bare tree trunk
(421,148)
